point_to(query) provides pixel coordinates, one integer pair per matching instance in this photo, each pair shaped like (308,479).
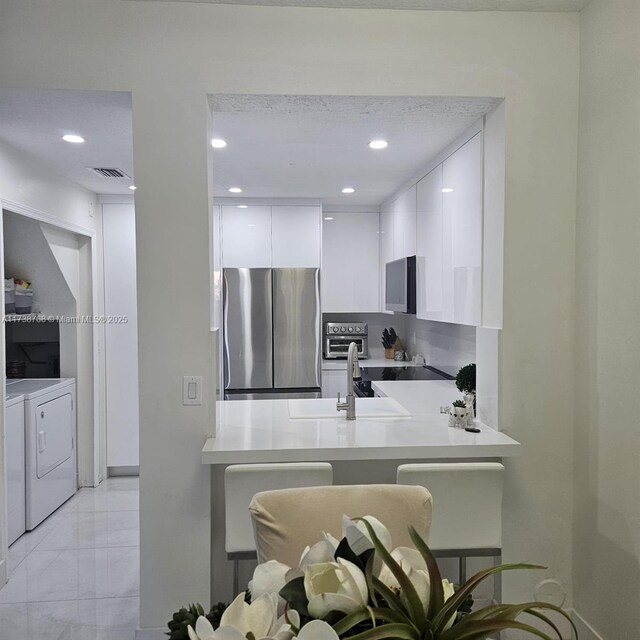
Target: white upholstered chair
(242,481)
(287,521)
(467,509)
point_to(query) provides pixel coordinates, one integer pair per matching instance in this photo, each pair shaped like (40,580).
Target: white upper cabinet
(386,248)
(429,247)
(462,234)
(351,263)
(246,237)
(295,236)
(404,224)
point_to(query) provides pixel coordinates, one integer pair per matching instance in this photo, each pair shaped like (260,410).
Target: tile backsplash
(444,346)
(447,347)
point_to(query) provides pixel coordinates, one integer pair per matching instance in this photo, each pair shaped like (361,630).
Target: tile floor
(76,576)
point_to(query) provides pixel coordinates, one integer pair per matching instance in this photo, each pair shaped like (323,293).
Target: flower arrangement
(362,588)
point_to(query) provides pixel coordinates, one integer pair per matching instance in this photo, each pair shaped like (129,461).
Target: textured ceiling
(34,121)
(312,146)
(433,5)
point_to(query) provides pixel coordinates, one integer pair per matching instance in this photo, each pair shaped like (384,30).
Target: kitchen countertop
(341,365)
(262,431)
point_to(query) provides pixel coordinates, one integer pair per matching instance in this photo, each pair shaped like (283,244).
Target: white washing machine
(15,465)
(50,443)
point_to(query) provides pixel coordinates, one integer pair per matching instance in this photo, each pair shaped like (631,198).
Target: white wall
(607,431)
(170,55)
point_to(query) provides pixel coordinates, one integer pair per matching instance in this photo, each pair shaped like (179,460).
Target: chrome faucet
(353,373)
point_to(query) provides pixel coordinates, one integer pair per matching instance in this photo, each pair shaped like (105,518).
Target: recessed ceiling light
(328,218)
(72,137)
(243,206)
(378,144)
(447,190)
(218,143)
(251,225)
(132,187)
(348,190)
(235,190)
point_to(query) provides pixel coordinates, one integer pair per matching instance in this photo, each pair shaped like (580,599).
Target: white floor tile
(76,576)
(99,619)
(80,530)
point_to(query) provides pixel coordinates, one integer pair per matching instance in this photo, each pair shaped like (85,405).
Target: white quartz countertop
(333,365)
(262,431)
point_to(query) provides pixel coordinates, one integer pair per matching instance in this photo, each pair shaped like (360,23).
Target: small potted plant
(466,383)
(458,414)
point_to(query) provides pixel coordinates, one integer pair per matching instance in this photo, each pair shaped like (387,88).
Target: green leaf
(479,630)
(417,610)
(368,574)
(390,632)
(348,622)
(293,592)
(392,600)
(436,592)
(452,604)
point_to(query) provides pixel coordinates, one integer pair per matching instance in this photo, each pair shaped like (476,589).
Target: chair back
(285,522)
(243,481)
(467,502)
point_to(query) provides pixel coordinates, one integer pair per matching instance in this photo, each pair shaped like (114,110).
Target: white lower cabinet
(334,382)
(351,263)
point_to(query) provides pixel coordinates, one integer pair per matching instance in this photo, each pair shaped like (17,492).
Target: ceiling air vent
(105,172)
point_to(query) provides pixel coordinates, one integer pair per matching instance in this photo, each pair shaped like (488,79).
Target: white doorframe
(34,214)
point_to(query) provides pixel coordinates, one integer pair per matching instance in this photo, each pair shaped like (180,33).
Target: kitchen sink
(325,409)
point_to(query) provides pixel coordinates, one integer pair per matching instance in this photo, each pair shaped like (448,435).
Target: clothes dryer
(50,443)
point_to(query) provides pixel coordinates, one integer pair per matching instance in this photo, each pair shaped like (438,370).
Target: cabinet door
(462,234)
(386,248)
(351,263)
(404,224)
(429,246)
(246,237)
(295,236)
(334,382)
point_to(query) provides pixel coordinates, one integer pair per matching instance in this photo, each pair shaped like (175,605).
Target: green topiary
(459,403)
(466,379)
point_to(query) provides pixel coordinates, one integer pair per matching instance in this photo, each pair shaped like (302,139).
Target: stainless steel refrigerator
(271,333)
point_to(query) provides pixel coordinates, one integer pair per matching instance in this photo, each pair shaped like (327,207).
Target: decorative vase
(470,401)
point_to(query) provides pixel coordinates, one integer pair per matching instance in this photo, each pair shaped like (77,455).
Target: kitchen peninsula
(362,451)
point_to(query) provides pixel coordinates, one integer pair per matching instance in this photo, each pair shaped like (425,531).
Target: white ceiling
(312,146)
(34,121)
(433,5)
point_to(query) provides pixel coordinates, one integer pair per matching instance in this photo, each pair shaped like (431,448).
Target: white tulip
(448,592)
(260,617)
(414,567)
(321,552)
(317,630)
(204,631)
(335,586)
(358,536)
(269,578)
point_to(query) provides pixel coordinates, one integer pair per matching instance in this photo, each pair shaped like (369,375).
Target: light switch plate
(191,390)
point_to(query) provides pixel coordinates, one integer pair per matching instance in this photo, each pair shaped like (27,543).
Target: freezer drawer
(296,328)
(248,341)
